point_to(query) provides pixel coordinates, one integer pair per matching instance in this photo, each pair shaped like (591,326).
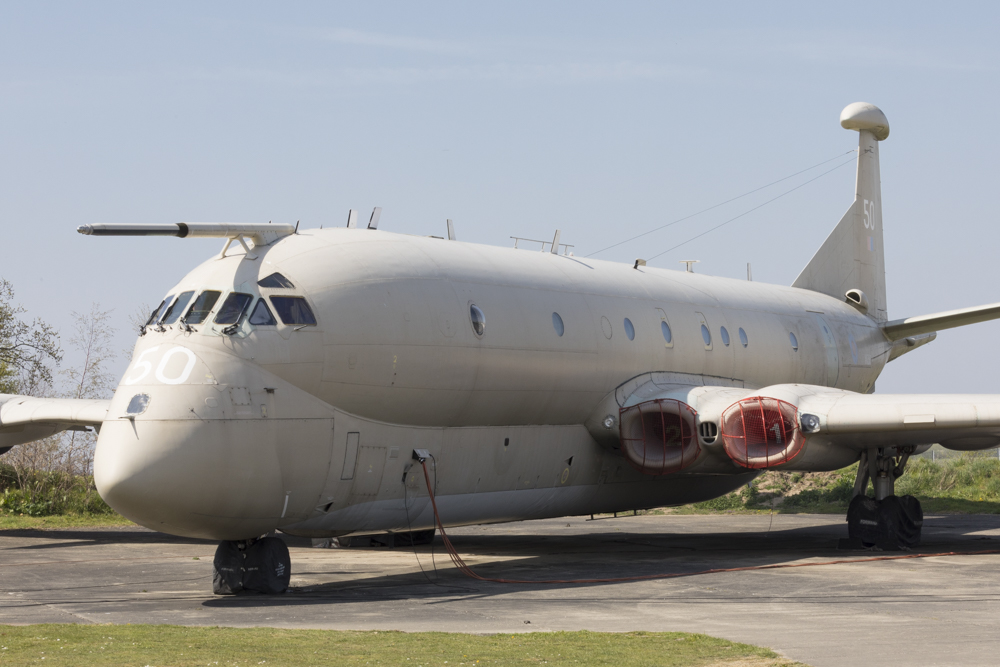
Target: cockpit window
(158,312)
(233,308)
(276,280)
(261,315)
(293,310)
(202,306)
(177,307)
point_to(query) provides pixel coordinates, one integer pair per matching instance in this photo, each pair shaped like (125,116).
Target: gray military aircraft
(286,383)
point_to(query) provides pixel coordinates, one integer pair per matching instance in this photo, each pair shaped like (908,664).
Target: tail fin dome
(863,116)
(852,257)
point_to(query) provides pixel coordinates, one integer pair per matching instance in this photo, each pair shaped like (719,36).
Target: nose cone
(183,478)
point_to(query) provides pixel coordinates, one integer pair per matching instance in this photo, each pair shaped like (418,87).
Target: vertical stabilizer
(852,258)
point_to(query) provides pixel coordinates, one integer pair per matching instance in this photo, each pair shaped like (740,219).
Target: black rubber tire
(891,524)
(268,567)
(227,569)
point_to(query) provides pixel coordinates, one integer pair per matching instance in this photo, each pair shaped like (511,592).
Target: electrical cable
(467,571)
(705,210)
(413,544)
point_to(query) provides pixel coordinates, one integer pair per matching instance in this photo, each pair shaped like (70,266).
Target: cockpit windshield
(202,306)
(233,308)
(293,310)
(176,308)
(158,311)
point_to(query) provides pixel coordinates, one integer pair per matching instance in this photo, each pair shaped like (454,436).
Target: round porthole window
(665,329)
(706,335)
(743,337)
(725,336)
(557,323)
(478,319)
(629,329)
(794,341)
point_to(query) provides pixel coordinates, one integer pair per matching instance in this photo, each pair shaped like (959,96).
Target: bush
(49,493)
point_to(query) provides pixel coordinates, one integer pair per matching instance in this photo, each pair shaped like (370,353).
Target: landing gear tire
(260,566)
(890,524)
(887,521)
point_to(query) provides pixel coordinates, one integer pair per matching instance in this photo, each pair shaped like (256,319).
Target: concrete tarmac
(941,610)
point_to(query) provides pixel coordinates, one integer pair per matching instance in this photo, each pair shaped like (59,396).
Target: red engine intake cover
(658,436)
(761,432)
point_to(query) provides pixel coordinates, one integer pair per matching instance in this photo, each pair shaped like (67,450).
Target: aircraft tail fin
(851,263)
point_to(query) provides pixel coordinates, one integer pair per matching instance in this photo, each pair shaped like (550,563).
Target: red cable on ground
(467,571)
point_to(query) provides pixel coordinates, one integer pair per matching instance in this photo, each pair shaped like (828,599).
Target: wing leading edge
(25,418)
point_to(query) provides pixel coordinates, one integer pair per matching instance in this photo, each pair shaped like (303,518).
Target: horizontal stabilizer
(913,326)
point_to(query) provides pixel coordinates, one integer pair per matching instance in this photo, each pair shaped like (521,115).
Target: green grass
(175,645)
(49,493)
(965,484)
(59,521)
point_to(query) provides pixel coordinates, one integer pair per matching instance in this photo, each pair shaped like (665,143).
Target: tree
(27,351)
(92,338)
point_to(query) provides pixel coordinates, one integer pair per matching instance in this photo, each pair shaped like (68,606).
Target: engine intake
(761,432)
(658,436)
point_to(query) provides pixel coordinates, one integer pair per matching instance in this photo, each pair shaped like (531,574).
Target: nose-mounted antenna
(260,233)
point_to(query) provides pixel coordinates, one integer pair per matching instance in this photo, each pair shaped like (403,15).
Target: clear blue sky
(602,120)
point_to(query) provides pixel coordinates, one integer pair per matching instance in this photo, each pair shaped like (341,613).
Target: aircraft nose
(181,477)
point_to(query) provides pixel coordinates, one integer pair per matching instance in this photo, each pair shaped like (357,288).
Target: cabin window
(261,315)
(177,307)
(668,336)
(629,329)
(478,320)
(557,324)
(743,337)
(725,336)
(233,308)
(794,341)
(293,310)
(706,335)
(202,307)
(276,280)
(156,314)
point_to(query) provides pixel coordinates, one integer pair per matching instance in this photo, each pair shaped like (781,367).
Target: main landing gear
(260,565)
(887,521)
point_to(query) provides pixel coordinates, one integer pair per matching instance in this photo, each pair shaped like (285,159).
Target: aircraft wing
(785,426)
(862,421)
(25,418)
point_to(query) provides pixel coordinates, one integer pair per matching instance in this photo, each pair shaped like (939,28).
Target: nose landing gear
(251,566)
(887,521)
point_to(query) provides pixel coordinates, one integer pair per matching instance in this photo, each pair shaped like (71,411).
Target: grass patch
(177,645)
(20,522)
(965,484)
(51,499)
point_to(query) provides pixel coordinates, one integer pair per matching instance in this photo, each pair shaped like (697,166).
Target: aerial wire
(733,219)
(732,199)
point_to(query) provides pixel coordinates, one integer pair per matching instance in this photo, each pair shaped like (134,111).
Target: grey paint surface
(921,612)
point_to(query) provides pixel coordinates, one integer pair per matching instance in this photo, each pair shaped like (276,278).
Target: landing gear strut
(887,521)
(259,565)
